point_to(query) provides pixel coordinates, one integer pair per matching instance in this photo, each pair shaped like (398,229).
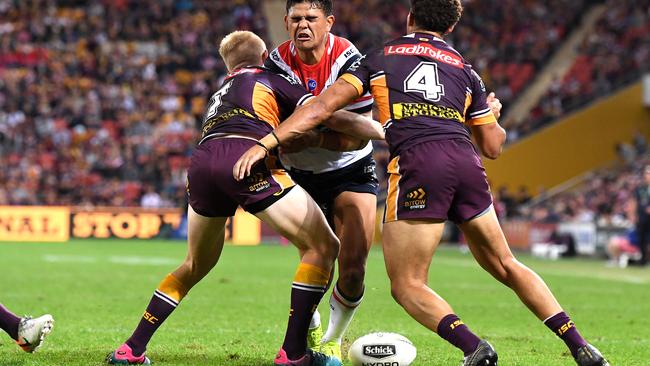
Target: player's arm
(489,138)
(340,94)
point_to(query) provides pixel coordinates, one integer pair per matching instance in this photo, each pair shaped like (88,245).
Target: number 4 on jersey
(424,79)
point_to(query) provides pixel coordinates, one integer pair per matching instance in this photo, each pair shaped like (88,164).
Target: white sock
(315,320)
(341,312)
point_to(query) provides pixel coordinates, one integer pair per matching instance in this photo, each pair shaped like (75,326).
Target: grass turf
(97,291)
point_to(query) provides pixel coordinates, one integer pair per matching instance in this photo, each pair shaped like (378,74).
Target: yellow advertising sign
(123,223)
(34,223)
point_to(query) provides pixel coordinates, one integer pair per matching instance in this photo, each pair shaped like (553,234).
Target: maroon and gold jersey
(252,102)
(424,90)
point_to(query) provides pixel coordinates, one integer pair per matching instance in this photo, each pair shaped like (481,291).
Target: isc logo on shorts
(257,183)
(416,199)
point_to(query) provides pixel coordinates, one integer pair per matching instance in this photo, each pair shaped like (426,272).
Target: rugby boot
(485,355)
(314,336)
(310,358)
(123,355)
(590,356)
(331,348)
(32,331)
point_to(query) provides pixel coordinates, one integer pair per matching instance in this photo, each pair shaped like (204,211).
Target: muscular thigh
(409,246)
(354,222)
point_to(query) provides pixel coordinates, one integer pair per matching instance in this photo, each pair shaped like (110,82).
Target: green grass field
(97,291)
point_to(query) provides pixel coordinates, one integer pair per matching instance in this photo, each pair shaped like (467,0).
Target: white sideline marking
(605,276)
(124,260)
(137,261)
(53,258)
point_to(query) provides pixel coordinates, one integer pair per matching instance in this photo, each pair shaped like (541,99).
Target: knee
(509,268)
(328,247)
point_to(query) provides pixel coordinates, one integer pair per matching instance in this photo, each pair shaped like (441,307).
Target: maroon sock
(9,322)
(158,310)
(454,331)
(304,301)
(565,328)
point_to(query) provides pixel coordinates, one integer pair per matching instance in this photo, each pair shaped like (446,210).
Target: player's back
(424,90)
(252,102)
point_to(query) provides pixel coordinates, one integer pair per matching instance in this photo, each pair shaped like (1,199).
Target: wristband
(263,147)
(276,137)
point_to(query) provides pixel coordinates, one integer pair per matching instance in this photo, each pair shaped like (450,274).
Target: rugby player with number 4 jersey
(428,97)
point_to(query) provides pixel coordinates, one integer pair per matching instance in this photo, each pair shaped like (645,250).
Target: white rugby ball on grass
(382,349)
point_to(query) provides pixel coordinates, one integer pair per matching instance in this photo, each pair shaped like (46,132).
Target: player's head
(438,16)
(242,48)
(309,22)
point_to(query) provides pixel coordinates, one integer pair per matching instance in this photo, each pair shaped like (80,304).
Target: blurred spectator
(642,197)
(622,248)
(98,98)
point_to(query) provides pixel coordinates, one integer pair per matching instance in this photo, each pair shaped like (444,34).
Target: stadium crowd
(604,197)
(100,101)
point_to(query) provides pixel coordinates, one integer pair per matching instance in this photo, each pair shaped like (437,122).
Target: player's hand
(252,156)
(308,139)
(495,105)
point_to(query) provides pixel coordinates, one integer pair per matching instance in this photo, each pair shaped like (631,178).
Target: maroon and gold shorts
(212,190)
(437,180)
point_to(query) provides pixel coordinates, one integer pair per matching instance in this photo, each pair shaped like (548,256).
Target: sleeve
(364,103)
(289,93)
(478,113)
(358,75)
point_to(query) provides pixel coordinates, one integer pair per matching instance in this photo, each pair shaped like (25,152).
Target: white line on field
(606,276)
(124,260)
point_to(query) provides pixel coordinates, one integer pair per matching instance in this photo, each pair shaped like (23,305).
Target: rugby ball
(382,349)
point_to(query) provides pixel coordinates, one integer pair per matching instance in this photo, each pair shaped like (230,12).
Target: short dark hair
(325,5)
(436,15)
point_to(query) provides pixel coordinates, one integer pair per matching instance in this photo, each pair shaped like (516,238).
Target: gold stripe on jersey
(406,110)
(379,91)
(354,81)
(484,120)
(393,190)
(468,102)
(265,105)
(283,179)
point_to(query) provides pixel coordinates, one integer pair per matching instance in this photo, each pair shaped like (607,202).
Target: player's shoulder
(340,46)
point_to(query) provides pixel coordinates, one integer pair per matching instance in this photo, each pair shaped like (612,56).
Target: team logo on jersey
(257,183)
(416,199)
(312,85)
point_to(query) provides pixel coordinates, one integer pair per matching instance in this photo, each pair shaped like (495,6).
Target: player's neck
(311,57)
(427,32)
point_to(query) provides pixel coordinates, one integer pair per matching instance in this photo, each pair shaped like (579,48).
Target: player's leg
(28,332)
(205,243)
(298,218)
(354,221)
(488,245)
(408,248)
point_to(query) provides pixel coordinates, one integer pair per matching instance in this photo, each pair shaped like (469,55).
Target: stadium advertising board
(59,224)
(19,224)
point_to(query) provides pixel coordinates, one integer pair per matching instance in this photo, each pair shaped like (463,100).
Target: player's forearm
(301,121)
(355,125)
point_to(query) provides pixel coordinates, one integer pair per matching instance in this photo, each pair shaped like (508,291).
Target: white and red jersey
(339,55)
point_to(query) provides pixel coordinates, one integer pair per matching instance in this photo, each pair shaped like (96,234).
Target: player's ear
(451,29)
(410,23)
(286,23)
(265,55)
(330,22)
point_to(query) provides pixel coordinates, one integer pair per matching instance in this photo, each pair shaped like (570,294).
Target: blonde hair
(241,47)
